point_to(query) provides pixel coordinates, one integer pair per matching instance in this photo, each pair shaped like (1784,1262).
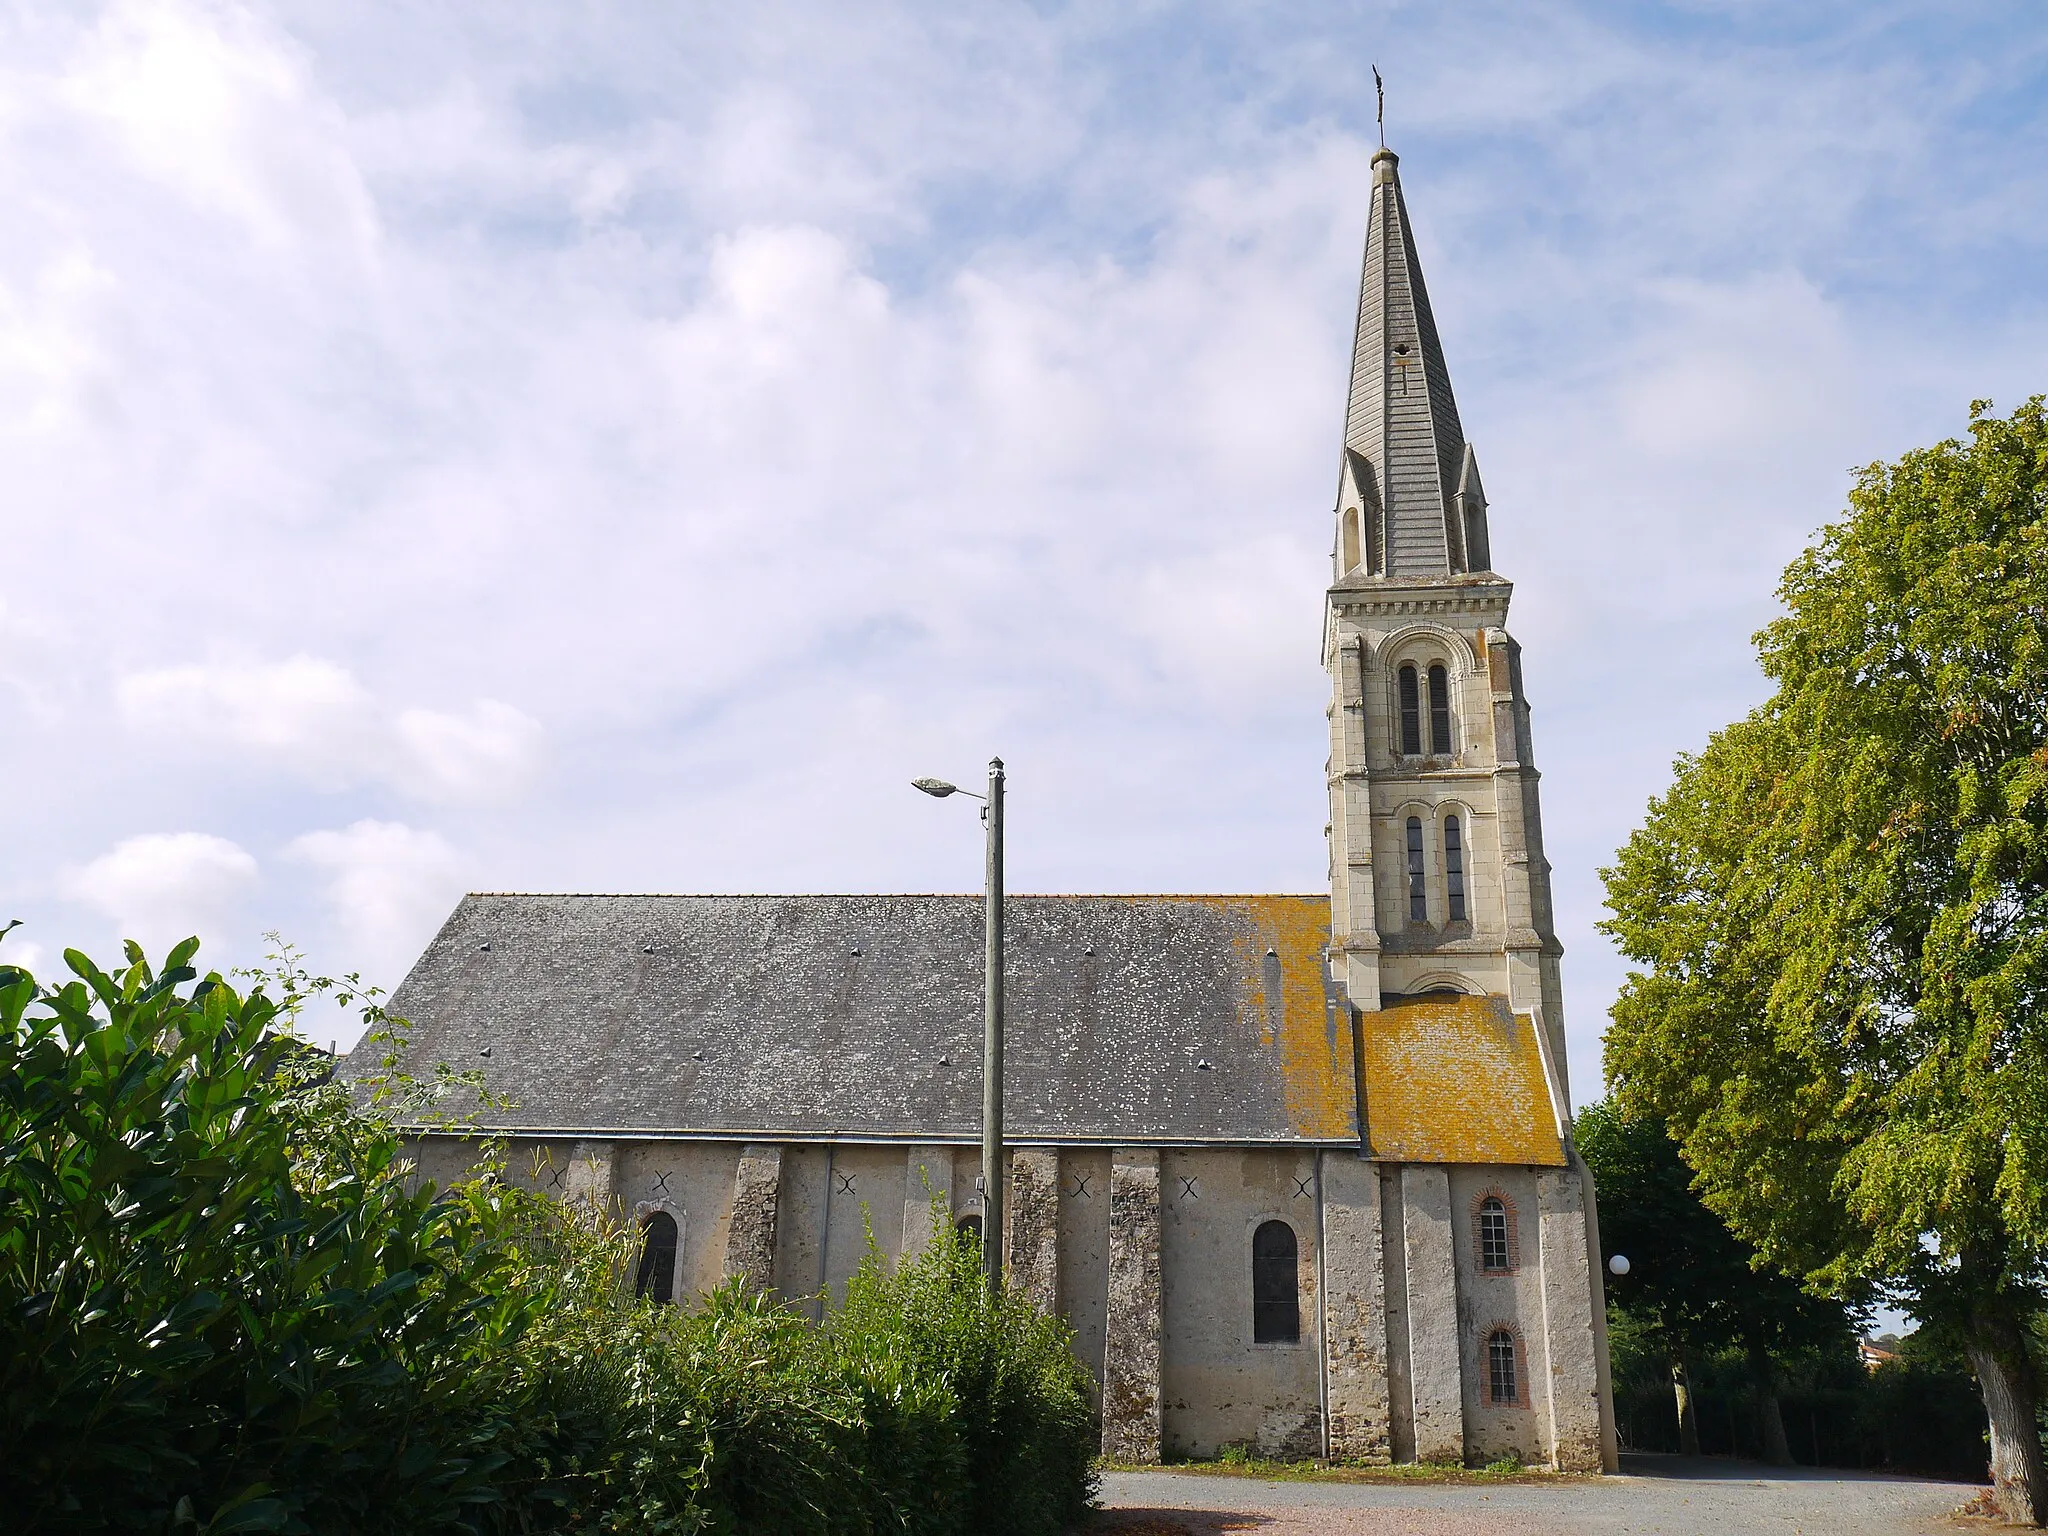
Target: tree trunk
(1688,1419)
(1777,1450)
(1998,1354)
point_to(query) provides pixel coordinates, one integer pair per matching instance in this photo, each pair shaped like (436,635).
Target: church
(1297,1169)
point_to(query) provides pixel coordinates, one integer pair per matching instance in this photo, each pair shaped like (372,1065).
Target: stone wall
(1220,1386)
(1147,1252)
(1130,1367)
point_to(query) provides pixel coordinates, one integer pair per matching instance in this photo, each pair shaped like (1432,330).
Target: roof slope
(1451,1079)
(794,1017)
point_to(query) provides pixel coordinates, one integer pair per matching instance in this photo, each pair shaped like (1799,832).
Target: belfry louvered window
(656,1279)
(1276,1285)
(1411,714)
(1439,711)
(1503,1382)
(1418,890)
(1454,869)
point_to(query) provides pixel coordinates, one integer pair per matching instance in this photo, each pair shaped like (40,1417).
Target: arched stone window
(1439,710)
(656,1279)
(1352,553)
(1276,1285)
(969,1227)
(1418,888)
(1454,870)
(1504,1369)
(1411,713)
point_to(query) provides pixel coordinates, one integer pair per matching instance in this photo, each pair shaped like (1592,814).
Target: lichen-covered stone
(1354,1310)
(1130,1367)
(1034,1223)
(750,1237)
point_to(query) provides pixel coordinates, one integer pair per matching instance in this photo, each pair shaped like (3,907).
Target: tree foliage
(227,1305)
(1838,910)
(1691,1282)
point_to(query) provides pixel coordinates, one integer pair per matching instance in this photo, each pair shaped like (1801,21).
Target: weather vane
(1379,89)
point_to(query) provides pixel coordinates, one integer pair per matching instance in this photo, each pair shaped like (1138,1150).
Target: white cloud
(163,886)
(783,402)
(387,885)
(212,102)
(312,718)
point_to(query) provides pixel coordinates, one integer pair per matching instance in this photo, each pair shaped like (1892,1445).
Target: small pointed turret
(1409,501)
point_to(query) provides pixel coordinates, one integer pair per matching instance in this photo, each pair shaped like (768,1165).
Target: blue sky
(616,447)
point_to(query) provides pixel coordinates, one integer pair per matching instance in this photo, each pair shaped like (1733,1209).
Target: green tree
(1840,909)
(1693,1286)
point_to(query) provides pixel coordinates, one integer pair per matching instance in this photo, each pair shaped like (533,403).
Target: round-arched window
(656,1279)
(1276,1285)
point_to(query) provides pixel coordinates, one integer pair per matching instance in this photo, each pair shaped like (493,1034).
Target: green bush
(226,1307)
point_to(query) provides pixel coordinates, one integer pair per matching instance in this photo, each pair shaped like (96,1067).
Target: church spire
(1409,498)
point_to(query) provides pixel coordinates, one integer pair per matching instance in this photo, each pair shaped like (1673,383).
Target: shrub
(225,1307)
(217,1310)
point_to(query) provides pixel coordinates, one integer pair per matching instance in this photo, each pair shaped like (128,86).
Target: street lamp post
(991,1016)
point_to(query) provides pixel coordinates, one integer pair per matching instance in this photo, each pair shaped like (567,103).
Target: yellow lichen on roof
(1318,1070)
(1452,1079)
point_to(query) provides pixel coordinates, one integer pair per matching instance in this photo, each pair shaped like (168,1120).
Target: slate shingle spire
(1409,499)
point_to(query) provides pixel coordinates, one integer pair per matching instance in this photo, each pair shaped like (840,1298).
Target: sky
(616,447)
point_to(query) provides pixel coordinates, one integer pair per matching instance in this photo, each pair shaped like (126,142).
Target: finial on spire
(1379,89)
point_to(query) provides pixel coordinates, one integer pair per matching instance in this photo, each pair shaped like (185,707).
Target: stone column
(1354,1310)
(1569,1349)
(592,1176)
(1034,1221)
(929,1176)
(1435,1361)
(750,1237)
(1130,1364)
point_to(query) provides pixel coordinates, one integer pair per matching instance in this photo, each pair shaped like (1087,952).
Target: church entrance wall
(1221,1385)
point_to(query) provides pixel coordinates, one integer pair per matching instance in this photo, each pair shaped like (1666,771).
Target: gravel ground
(1667,1495)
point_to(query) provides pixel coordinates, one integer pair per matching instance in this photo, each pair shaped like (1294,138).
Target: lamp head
(1618,1265)
(938,789)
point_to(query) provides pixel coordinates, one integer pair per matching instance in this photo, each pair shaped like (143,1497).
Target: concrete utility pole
(992,1015)
(992,1035)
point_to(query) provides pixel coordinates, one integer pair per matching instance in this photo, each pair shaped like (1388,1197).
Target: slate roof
(1131,1019)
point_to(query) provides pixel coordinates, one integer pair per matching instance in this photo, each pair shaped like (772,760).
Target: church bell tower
(1438,882)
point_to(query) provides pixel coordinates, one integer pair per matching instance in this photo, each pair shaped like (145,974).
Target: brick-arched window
(1507,1383)
(1276,1285)
(656,1279)
(1411,713)
(1439,710)
(1496,1244)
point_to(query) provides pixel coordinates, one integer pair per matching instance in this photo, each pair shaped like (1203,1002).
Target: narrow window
(657,1278)
(1411,714)
(1350,540)
(1439,711)
(1502,1386)
(1454,869)
(1418,892)
(1276,1285)
(969,1227)
(1495,1256)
